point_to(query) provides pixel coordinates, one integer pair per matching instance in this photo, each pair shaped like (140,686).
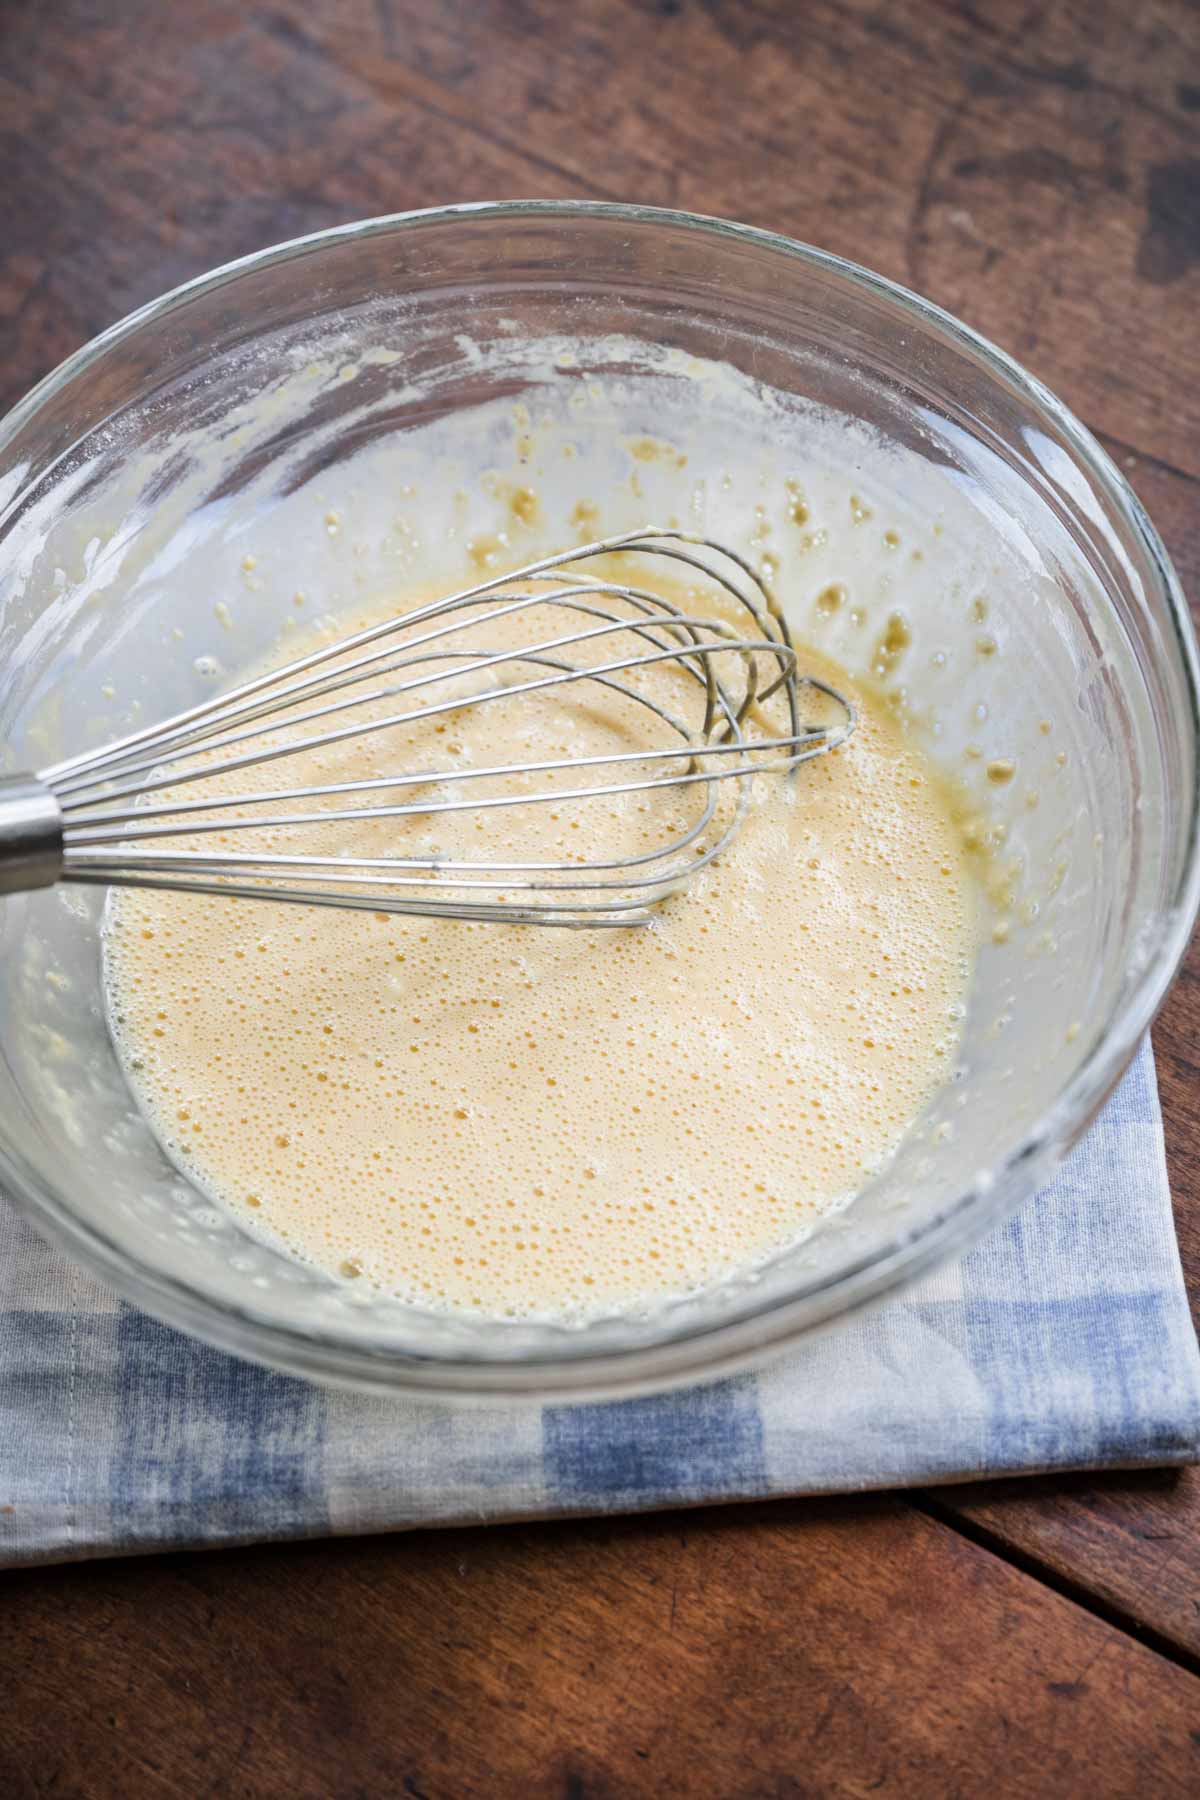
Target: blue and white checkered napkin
(1063,1341)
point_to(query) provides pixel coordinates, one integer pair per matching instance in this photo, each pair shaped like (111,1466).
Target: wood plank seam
(1143,456)
(1018,1557)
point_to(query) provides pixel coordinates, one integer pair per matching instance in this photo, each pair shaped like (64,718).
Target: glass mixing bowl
(123,469)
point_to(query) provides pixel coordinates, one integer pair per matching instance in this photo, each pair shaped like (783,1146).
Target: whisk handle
(31,834)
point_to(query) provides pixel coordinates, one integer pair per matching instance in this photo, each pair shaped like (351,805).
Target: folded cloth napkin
(1063,1341)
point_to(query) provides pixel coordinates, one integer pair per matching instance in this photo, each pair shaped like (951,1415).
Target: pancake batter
(519,1121)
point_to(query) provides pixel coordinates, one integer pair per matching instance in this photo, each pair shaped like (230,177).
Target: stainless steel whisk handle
(31,834)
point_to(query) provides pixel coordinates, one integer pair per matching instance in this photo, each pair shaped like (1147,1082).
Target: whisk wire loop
(130,813)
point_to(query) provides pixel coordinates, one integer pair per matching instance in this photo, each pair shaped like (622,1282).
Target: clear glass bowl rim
(702,1353)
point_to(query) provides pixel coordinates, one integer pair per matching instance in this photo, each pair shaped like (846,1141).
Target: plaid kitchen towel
(1063,1341)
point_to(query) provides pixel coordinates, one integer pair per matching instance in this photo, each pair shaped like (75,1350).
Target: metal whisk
(103,817)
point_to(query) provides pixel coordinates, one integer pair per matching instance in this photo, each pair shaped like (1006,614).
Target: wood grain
(789,1650)
(1034,167)
(1125,1544)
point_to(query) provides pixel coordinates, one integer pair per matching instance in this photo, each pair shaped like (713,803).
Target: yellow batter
(519,1121)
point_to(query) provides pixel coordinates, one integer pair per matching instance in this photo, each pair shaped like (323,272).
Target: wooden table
(1034,167)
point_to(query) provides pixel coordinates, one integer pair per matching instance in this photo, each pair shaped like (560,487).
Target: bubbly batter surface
(522,1122)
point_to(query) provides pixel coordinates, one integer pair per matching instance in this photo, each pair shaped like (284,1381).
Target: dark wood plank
(1128,1542)
(1033,167)
(845,1648)
(1032,171)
